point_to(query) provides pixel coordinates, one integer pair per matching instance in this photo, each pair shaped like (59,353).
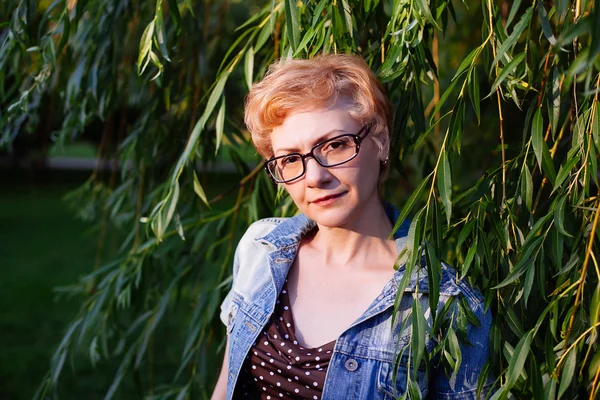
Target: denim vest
(362,363)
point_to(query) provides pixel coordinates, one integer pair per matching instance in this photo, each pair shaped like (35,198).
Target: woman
(310,312)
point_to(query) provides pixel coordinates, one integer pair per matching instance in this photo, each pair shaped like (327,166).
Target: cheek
(293,189)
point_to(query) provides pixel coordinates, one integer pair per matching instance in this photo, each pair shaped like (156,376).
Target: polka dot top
(277,367)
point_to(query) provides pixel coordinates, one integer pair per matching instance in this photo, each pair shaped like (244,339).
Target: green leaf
(444,181)
(419,331)
(145,46)
(595,307)
(414,392)
(594,48)
(559,216)
(550,390)
(581,27)
(537,136)
(474,93)
(526,260)
(546,28)
(596,124)
(423,9)
(219,125)
(535,377)
(548,164)
(513,321)
(456,125)
(292,23)
(527,187)
(66,25)
(528,284)
(467,63)
(468,259)
(318,13)
(454,349)
(514,36)
(517,361)
(310,33)
(434,274)
(199,190)
(346,13)
(410,203)
(175,14)
(513,11)
(566,376)
(199,127)
(444,97)
(554,100)
(565,169)
(249,66)
(159,29)
(506,71)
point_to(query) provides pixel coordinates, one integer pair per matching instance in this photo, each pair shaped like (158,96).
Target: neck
(367,235)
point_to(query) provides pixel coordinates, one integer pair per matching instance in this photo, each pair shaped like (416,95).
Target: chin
(330,218)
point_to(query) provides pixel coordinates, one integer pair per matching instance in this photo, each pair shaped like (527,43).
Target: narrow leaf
(434,273)
(418,333)
(410,203)
(249,66)
(546,28)
(145,45)
(527,187)
(513,11)
(292,23)
(537,135)
(517,361)
(507,70)
(559,216)
(444,178)
(567,373)
(199,190)
(219,125)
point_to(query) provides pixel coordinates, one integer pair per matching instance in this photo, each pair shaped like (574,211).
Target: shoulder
(261,228)
(451,284)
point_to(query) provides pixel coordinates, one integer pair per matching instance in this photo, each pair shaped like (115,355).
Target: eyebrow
(322,138)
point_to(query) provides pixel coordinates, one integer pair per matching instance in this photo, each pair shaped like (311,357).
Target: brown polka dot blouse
(277,367)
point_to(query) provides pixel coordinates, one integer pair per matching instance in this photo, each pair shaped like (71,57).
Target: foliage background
(495,158)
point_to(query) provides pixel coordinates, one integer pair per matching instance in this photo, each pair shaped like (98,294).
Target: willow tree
(494,161)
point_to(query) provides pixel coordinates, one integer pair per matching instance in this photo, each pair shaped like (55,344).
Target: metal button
(351,364)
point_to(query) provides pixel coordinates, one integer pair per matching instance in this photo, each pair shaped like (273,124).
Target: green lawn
(43,246)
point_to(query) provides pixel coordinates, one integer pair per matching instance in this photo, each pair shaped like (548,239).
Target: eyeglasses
(329,153)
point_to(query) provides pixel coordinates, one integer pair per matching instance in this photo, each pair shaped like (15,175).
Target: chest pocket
(392,386)
(233,310)
(245,318)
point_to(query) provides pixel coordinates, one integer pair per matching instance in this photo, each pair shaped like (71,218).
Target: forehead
(302,130)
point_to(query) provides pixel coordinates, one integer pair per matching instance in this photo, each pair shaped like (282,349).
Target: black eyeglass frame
(357,140)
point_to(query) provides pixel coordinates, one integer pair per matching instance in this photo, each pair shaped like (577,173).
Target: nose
(316,174)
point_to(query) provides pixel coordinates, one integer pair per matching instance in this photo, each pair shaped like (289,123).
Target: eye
(341,143)
(291,159)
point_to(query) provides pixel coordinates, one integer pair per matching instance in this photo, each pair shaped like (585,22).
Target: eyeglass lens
(332,152)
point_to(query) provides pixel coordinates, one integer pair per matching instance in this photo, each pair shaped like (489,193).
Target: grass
(42,246)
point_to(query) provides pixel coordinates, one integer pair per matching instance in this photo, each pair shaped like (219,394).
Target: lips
(328,198)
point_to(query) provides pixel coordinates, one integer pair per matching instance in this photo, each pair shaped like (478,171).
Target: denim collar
(285,239)
(291,231)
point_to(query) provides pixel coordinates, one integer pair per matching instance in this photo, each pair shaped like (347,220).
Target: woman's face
(335,196)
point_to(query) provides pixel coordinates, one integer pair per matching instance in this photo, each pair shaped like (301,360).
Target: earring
(384,162)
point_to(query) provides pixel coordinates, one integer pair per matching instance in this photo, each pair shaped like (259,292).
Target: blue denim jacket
(362,363)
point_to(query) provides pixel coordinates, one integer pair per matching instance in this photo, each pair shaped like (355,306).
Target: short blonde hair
(303,85)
